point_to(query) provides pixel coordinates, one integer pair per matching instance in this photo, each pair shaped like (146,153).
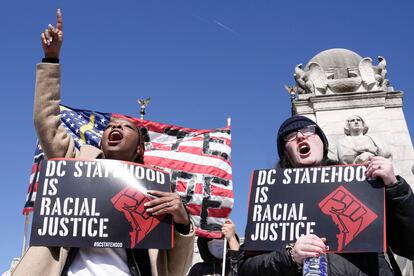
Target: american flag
(34,177)
(198,159)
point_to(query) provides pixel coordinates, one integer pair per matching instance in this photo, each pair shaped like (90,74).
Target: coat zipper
(135,263)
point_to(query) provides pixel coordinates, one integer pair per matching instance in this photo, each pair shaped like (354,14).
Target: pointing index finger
(59,24)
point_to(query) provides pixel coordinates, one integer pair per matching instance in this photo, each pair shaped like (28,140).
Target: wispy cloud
(226,27)
(216,22)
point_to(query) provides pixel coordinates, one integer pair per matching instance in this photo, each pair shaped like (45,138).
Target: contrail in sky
(225,27)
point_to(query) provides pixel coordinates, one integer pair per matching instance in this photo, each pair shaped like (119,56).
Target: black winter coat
(400,239)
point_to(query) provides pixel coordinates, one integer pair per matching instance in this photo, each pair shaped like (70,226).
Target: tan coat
(56,142)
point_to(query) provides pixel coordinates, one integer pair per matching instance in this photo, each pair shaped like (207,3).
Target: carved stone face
(305,151)
(355,125)
(121,140)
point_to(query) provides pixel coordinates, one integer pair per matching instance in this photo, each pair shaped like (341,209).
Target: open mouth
(304,149)
(115,137)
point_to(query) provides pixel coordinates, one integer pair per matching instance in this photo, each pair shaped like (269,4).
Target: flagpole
(223,273)
(26,229)
(143,103)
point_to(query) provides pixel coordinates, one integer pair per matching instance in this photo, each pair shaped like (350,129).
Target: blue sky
(199,61)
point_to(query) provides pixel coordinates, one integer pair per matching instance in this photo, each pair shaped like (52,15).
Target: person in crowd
(302,143)
(211,251)
(121,140)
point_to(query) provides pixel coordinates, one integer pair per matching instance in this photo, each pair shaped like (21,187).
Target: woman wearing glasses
(302,143)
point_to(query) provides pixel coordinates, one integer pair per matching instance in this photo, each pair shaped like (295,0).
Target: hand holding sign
(379,166)
(308,246)
(229,231)
(168,203)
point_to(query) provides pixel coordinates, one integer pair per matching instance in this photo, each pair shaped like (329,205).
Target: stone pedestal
(338,83)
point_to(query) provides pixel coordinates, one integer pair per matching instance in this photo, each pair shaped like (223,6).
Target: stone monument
(357,146)
(337,84)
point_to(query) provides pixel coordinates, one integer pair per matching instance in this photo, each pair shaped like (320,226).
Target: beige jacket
(56,143)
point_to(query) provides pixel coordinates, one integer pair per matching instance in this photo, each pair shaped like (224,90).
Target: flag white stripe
(210,220)
(220,147)
(32,198)
(225,201)
(220,135)
(169,139)
(161,138)
(199,181)
(195,144)
(191,158)
(212,146)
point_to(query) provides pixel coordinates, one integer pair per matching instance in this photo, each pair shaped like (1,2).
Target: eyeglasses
(306,132)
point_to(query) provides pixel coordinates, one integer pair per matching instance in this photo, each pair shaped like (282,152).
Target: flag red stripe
(223,212)
(208,234)
(181,186)
(218,191)
(199,189)
(27,210)
(34,189)
(186,166)
(194,150)
(34,168)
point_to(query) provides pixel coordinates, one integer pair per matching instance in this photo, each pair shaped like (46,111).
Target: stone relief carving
(381,73)
(302,81)
(340,70)
(367,73)
(317,78)
(314,79)
(357,147)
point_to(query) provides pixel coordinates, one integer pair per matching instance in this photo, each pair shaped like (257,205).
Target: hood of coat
(204,252)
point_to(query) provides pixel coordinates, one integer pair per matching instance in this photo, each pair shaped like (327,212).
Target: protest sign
(338,203)
(99,203)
